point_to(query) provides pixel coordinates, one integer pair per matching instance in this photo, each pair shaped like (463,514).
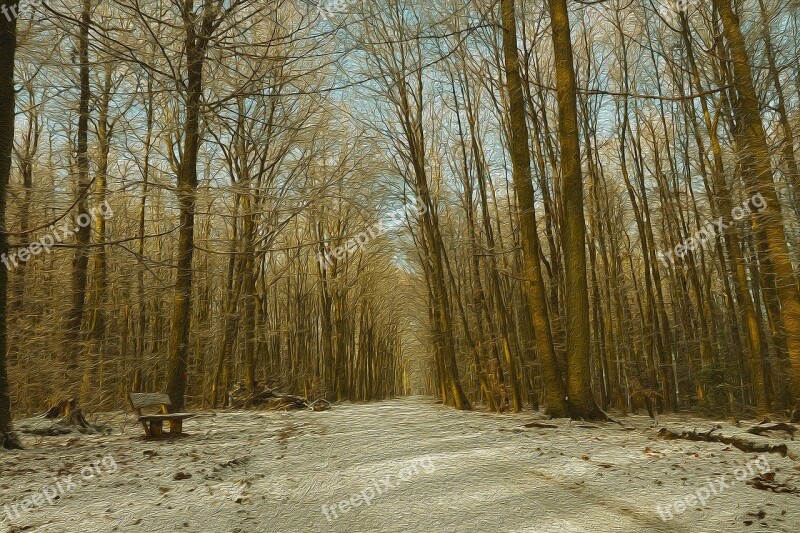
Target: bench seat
(154,424)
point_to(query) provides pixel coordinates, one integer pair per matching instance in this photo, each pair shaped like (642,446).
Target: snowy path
(424,467)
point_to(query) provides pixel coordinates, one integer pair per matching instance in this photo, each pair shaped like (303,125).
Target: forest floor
(422,467)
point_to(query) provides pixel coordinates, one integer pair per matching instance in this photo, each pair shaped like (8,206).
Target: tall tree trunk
(230,319)
(80,262)
(249,287)
(195,46)
(100,275)
(573,223)
(722,196)
(481,354)
(555,393)
(26,156)
(8,47)
(142,304)
(753,151)
(97,325)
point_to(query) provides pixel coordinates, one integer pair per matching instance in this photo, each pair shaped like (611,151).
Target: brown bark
(140,341)
(753,151)
(80,262)
(722,196)
(26,156)
(555,392)
(8,46)
(789,158)
(573,223)
(100,274)
(195,49)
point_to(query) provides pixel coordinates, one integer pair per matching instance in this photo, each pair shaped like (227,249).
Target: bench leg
(156,429)
(175,427)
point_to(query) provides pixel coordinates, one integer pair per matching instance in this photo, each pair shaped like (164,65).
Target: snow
(422,466)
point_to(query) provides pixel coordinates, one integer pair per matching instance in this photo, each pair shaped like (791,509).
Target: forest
(571,218)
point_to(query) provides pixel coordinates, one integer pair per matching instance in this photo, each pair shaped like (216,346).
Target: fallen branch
(766,481)
(539,425)
(320,405)
(780,426)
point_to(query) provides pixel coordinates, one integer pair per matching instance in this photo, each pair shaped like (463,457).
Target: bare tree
(8,46)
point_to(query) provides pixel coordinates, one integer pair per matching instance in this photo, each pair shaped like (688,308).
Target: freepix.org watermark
(379,487)
(710,231)
(670,10)
(329,8)
(374,231)
(712,489)
(48,494)
(23,6)
(57,235)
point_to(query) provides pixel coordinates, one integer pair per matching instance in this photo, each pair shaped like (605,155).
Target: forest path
(423,466)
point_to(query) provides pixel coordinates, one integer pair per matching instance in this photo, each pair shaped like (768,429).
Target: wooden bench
(154,424)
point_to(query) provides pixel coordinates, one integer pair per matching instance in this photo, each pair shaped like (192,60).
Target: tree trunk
(754,156)
(722,194)
(100,276)
(141,303)
(195,46)
(573,223)
(80,262)
(555,393)
(8,47)
(26,156)
(97,325)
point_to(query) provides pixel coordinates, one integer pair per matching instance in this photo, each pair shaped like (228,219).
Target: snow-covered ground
(419,465)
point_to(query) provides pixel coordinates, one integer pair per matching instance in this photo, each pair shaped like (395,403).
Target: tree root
(10,441)
(594,415)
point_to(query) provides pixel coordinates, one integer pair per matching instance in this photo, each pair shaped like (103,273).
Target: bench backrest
(147,399)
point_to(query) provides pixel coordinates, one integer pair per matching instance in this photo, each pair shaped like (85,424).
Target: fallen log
(744,441)
(286,402)
(63,418)
(242,397)
(262,396)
